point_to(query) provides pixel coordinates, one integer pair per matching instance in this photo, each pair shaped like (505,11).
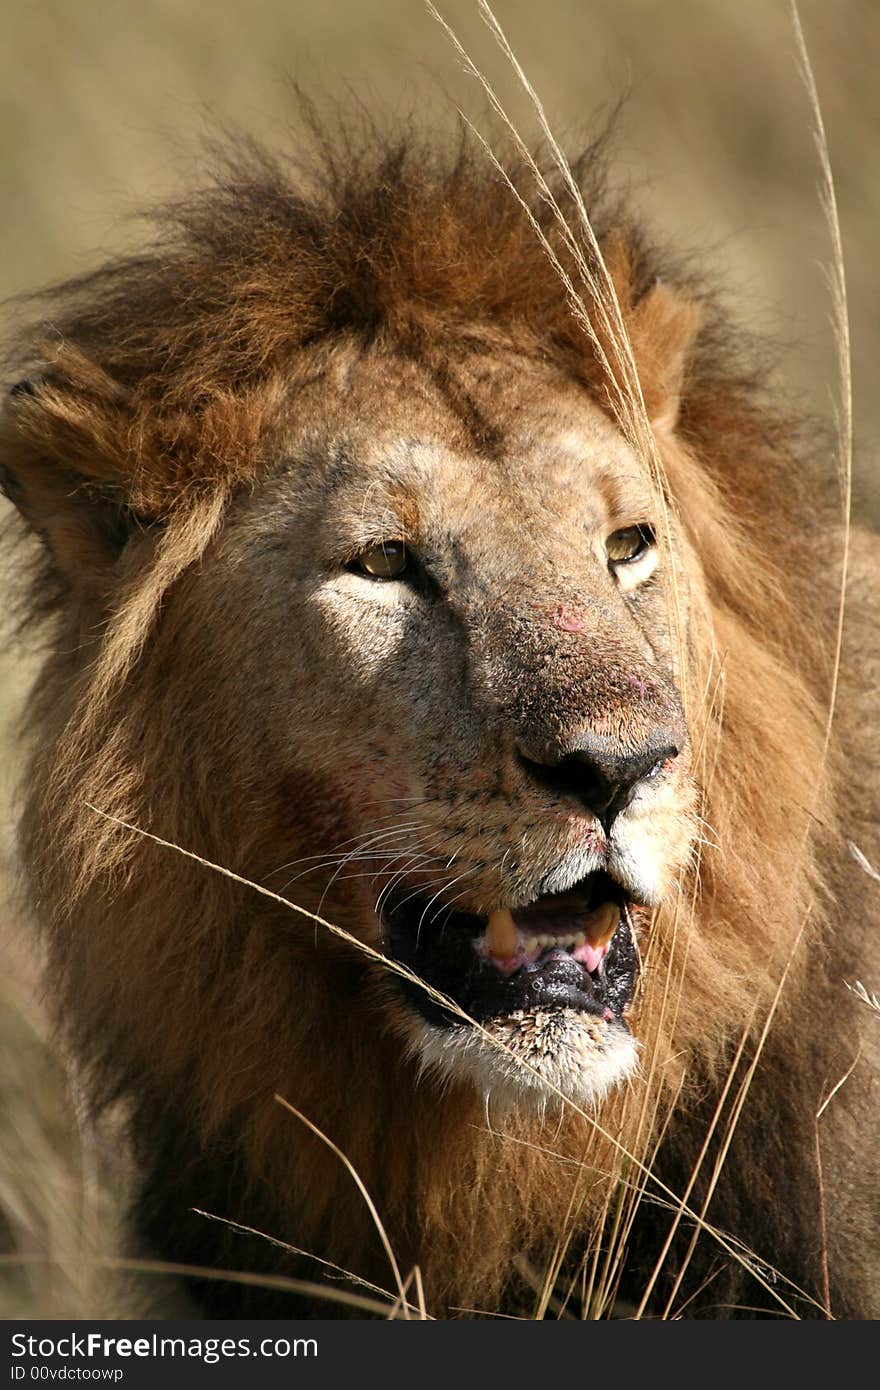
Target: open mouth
(574,950)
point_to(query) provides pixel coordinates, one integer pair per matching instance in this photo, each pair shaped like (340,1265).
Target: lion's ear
(663,327)
(74,503)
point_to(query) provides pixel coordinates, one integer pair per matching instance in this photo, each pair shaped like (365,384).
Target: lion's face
(455,679)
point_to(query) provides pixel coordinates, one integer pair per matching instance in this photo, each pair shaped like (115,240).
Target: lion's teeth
(502,936)
(503,942)
(601,924)
(533,944)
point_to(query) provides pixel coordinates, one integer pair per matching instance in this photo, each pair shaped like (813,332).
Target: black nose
(595,771)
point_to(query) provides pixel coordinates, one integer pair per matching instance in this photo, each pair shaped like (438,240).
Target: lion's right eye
(386,561)
(629,544)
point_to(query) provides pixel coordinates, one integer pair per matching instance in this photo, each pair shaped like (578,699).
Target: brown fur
(174,413)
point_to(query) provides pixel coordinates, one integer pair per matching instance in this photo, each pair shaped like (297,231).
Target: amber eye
(385,561)
(622,547)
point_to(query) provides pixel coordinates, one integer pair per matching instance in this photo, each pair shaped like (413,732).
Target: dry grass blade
(576,302)
(695,1172)
(826,1280)
(872,1001)
(636,421)
(838,1084)
(622,373)
(302,1287)
(863,862)
(362,1189)
(413,1280)
(737,1109)
(836,275)
(420,1294)
(837,283)
(335,1269)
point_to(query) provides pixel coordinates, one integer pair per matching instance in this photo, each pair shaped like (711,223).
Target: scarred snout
(587,716)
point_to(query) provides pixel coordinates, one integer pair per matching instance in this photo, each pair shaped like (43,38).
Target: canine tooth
(579,939)
(601,924)
(502,936)
(531,945)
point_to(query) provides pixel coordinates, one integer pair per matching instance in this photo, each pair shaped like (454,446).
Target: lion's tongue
(590,956)
(511,944)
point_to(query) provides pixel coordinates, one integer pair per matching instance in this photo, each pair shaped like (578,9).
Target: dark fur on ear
(83,522)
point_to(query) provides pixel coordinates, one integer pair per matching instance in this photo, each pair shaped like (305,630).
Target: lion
(433,791)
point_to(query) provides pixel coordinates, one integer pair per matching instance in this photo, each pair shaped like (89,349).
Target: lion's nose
(595,771)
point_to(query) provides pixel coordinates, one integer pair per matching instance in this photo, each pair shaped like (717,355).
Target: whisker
(434,899)
(362,835)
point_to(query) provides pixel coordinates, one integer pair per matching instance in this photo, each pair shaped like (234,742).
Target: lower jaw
(529,1062)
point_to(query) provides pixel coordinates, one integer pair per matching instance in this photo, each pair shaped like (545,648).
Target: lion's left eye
(385,561)
(629,544)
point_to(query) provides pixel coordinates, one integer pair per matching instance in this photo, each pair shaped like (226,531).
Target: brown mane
(160,382)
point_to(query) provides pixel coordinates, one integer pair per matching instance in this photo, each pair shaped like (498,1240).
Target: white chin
(530,1059)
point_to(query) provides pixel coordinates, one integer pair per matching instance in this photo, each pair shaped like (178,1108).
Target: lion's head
(367,590)
(456,715)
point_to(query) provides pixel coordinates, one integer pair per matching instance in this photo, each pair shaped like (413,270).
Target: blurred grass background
(102,108)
